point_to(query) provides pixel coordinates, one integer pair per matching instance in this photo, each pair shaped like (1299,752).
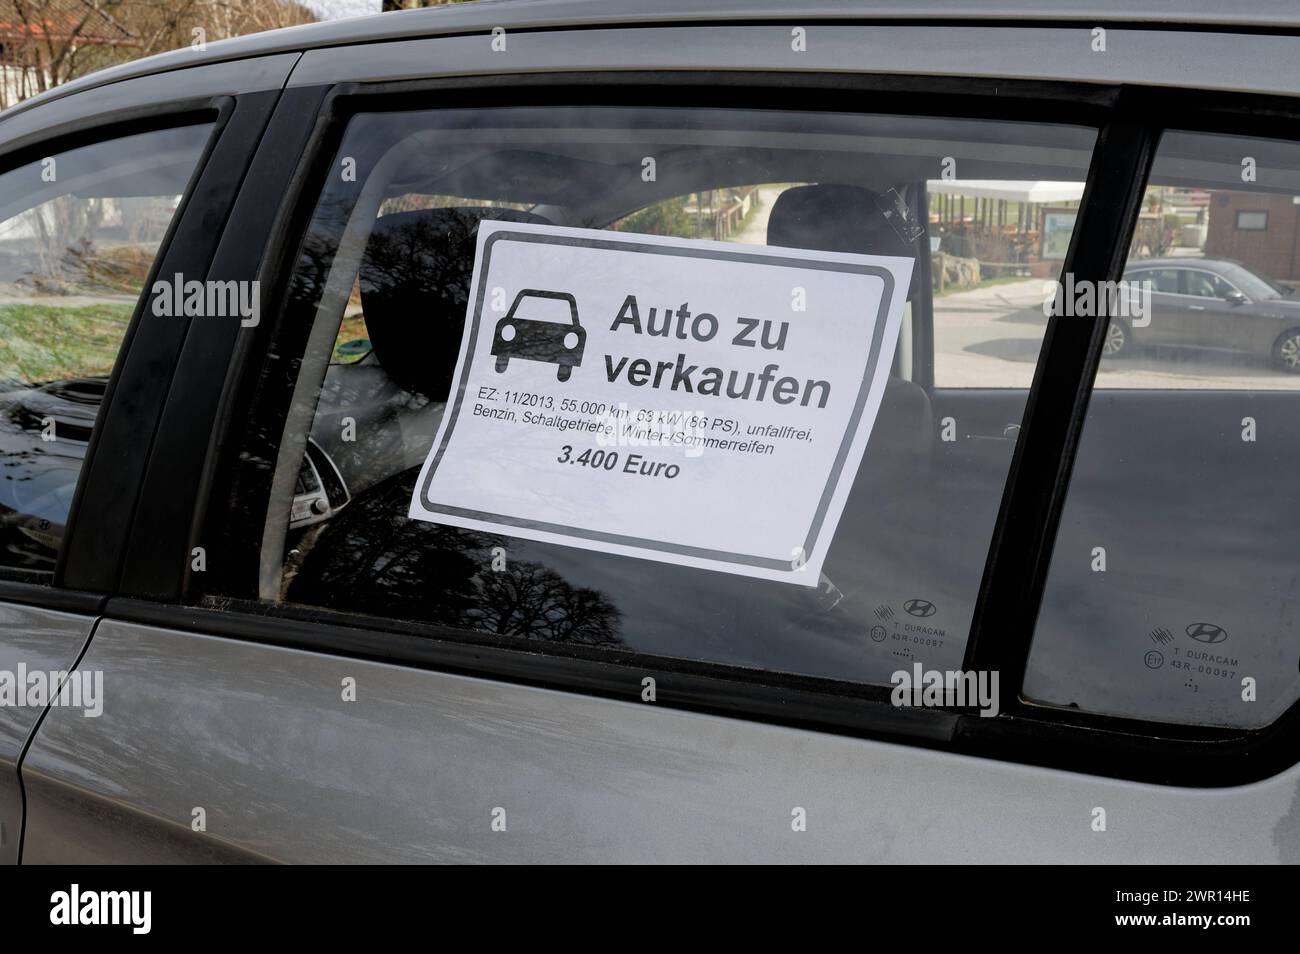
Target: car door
(1168,307)
(91,195)
(1213,321)
(380,688)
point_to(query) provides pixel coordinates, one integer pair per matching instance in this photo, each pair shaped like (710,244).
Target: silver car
(1047,613)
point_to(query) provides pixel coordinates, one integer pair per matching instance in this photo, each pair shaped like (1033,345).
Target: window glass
(1174,583)
(1205,285)
(1249,220)
(1190,225)
(79,231)
(1166,281)
(901,575)
(996,243)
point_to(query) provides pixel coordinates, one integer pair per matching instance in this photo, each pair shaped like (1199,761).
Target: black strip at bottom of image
(215,903)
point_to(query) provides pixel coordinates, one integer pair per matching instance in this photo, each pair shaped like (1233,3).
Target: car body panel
(34,639)
(1157,58)
(559,15)
(19,126)
(415,767)
(990,39)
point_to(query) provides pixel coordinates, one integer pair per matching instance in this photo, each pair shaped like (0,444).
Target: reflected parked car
(1214,304)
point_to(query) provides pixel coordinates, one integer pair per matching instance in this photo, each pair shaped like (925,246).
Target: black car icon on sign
(533,339)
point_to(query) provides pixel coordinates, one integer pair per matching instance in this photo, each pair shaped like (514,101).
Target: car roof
(482,16)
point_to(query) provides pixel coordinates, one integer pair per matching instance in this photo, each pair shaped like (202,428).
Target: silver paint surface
(558,15)
(70,109)
(411,771)
(43,640)
(1238,62)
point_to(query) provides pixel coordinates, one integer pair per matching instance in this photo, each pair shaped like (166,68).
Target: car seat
(839,218)
(414,276)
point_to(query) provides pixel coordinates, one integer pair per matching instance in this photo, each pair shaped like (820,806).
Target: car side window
(391,259)
(1175,575)
(1166,281)
(1204,285)
(79,232)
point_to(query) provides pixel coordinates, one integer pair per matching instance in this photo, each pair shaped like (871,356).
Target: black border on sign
(869,375)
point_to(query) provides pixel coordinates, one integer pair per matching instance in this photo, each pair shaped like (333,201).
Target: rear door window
(1166,281)
(377,311)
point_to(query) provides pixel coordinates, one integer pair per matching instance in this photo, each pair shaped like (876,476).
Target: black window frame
(159,589)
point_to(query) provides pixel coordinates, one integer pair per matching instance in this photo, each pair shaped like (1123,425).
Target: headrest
(415,277)
(834,218)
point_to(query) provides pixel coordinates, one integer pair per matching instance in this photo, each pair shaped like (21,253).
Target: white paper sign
(701,403)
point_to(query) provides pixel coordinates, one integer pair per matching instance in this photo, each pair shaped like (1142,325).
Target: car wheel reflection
(1119,340)
(1286,353)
